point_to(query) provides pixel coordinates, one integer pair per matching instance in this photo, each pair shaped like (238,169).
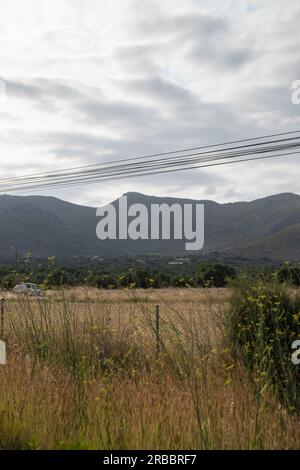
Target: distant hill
(47,226)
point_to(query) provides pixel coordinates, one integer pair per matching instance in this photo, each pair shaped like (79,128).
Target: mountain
(47,226)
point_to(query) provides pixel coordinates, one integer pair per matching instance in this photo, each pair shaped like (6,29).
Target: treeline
(205,274)
(53,275)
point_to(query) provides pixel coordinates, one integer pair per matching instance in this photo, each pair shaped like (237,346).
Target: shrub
(264,322)
(10,280)
(289,273)
(106,281)
(215,274)
(181,280)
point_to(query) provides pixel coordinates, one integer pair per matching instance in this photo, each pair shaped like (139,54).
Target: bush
(289,273)
(9,280)
(264,322)
(215,274)
(181,280)
(106,281)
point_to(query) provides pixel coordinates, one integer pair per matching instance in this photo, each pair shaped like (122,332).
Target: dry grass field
(84,372)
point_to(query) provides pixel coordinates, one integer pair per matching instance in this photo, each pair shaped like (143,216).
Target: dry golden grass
(83,372)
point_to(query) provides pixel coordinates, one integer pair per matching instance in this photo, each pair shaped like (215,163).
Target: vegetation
(84,371)
(289,273)
(264,323)
(215,274)
(143,273)
(205,274)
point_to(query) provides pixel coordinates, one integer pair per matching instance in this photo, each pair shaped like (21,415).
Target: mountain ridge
(49,226)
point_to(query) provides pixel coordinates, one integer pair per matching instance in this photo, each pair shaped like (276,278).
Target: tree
(289,273)
(215,274)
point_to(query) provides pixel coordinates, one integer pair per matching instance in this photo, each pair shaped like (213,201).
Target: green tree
(289,273)
(214,274)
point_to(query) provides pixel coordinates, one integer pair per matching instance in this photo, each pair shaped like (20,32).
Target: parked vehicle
(27,288)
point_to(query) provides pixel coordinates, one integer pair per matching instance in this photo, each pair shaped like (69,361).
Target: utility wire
(56,175)
(168,162)
(106,178)
(159,162)
(158,155)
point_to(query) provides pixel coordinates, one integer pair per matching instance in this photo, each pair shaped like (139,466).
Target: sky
(89,81)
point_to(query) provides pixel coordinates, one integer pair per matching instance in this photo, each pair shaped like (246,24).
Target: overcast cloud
(93,80)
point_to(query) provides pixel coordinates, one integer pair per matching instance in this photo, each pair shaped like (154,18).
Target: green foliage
(264,321)
(215,274)
(9,280)
(289,273)
(140,273)
(180,280)
(106,281)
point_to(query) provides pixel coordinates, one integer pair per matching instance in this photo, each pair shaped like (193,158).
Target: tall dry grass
(83,372)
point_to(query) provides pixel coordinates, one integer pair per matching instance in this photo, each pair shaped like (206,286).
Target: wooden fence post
(2,316)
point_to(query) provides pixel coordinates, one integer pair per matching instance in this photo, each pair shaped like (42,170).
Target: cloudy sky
(89,81)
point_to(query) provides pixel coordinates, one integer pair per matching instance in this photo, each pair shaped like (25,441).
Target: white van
(27,288)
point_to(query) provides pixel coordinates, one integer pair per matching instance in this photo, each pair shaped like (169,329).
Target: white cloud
(89,81)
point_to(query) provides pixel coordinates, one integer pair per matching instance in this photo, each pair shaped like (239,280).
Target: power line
(70,173)
(168,162)
(158,154)
(117,177)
